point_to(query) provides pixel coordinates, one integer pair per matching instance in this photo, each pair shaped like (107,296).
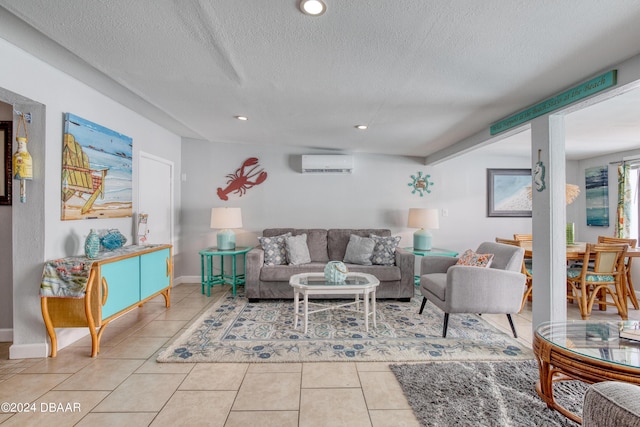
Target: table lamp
(423,219)
(225,219)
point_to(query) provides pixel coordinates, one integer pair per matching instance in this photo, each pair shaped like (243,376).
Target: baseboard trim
(186,279)
(6,335)
(28,351)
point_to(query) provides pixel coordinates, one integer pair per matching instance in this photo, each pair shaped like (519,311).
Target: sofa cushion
(316,240)
(384,251)
(297,251)
(359,250)
(338,239)
(282,273)
(384,273)
(275,251)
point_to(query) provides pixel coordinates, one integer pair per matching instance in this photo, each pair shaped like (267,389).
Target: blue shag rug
(484,394)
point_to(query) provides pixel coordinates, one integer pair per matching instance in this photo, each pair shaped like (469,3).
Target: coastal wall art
(96,171)
(508,192)
(597,195)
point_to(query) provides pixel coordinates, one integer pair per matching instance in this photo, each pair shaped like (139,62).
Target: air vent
(327,164)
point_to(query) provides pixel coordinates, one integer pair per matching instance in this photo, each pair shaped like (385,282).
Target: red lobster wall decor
(240,181)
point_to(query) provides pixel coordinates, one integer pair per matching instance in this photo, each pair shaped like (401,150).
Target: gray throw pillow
(359,250)
(297,249)
(384,251)
(275,251)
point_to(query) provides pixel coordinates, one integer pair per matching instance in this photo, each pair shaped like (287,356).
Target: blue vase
(92,245)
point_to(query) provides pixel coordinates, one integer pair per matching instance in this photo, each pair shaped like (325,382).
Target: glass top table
(356,284)
(588,351)
(598,340)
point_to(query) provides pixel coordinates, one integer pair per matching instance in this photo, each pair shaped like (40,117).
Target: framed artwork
(6,132)
(508,192)
(96,171)
(597,196)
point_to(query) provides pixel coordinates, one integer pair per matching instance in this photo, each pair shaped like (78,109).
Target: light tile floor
(124,385)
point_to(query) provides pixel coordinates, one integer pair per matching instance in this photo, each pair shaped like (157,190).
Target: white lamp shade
(224,218)
(423,218)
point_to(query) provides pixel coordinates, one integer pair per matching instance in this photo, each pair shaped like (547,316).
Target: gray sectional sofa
(272,281)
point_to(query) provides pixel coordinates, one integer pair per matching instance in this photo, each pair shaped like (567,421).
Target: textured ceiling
(422,74)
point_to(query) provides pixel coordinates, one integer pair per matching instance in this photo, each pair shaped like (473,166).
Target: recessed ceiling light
(313,7)
(243,118)
(362,127)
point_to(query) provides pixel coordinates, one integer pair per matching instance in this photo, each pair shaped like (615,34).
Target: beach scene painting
(597,195)
(508,192)
(96,171)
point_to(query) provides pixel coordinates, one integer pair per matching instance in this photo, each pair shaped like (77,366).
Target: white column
(549,218)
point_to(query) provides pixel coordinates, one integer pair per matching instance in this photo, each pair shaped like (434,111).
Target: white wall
(23,74)
(375,195)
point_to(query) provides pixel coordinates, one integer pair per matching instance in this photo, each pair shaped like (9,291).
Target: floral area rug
(234,330)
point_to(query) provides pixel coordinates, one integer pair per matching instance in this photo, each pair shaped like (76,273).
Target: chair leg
(513,327)
(424,301)
(446,323)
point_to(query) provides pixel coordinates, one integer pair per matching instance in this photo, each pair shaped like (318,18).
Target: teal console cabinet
(115,286)
(122,285)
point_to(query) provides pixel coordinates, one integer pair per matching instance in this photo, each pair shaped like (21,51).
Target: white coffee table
(315,284)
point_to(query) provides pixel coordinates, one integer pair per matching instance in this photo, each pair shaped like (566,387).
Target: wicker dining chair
(527,270)
(631,293)
(523,237)
(587,283)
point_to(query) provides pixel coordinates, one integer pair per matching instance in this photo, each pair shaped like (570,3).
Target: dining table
(576,251)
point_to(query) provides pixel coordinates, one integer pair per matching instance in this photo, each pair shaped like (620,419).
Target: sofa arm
(254,263)
(406,261)
(484,290)
(436,264)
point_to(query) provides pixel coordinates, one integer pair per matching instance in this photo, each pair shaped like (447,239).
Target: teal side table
(210,279)
(432,252)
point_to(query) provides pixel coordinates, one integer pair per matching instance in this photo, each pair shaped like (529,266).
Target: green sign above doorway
(567,97)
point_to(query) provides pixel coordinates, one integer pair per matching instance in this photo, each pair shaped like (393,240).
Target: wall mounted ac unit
(322,163)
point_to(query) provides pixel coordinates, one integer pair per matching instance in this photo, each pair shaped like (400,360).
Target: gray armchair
(464,289)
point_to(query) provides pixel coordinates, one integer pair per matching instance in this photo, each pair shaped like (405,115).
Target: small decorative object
(113,240)
(240,181)
(22,161)
(571,230)
(538,175)
(420,184)
(92,245)
(335,272)
(143,231)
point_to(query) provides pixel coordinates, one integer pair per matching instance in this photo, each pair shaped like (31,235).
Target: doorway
(155,197)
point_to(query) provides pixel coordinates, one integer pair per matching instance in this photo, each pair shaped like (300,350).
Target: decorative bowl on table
(113,240)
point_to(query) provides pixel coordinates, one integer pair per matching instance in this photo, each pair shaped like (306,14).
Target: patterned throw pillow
(473,259)
(384,250)
(297,249)
(359,250)
(275,250)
